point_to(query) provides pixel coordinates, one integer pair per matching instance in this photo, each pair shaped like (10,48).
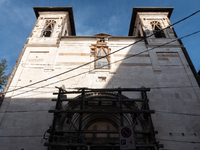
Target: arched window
(100,51)
(157,29)
(48,28)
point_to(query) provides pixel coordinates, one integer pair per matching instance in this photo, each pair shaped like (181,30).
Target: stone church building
(101,92)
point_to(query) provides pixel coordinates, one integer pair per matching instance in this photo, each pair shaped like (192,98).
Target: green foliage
(3,75)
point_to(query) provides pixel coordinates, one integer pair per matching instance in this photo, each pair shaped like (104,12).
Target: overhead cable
(111,63)
(43,80)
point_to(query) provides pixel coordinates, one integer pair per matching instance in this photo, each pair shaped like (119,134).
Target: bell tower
(51,24)
(147,21)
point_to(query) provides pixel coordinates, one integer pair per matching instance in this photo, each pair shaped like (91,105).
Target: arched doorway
(92,121)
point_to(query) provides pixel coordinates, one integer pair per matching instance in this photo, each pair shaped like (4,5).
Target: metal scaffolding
(106,105)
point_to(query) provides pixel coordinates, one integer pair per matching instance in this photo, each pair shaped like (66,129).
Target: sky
(17,19)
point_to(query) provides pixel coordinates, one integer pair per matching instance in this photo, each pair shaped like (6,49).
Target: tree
(3,75)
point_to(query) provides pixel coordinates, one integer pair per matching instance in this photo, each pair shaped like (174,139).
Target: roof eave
(68,9)
(147,9)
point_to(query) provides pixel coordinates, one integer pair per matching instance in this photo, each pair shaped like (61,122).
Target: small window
(157,29)
(100,51)
(48,28)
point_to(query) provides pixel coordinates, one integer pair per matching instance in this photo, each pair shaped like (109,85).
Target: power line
(41,93)
(27,136)
(161,87)
(102,56)
(32,87)
(186,17)
(177,113)
(193,142)
(52,89)
(112,62)
(157,111)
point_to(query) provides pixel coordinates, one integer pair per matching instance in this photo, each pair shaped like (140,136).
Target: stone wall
(174,95)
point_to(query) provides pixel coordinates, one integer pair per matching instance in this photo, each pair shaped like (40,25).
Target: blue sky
(113,17)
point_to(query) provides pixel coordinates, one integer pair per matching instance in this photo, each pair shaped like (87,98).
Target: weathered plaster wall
(174,95)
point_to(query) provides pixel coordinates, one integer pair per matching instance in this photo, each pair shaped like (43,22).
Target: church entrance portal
(92,120)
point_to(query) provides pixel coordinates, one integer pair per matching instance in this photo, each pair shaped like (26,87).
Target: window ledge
(110,71)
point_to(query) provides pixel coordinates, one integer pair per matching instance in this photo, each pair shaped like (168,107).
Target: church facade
(68,92)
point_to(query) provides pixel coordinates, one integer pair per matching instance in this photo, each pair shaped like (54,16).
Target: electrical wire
(161,87)
(101,57)
(157,111)
(193,142)
(33,87)
(25,111)
(41,93)
(111,63)
(186,17)
(177,113)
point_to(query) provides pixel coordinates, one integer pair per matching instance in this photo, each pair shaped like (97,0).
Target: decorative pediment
(102,34)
